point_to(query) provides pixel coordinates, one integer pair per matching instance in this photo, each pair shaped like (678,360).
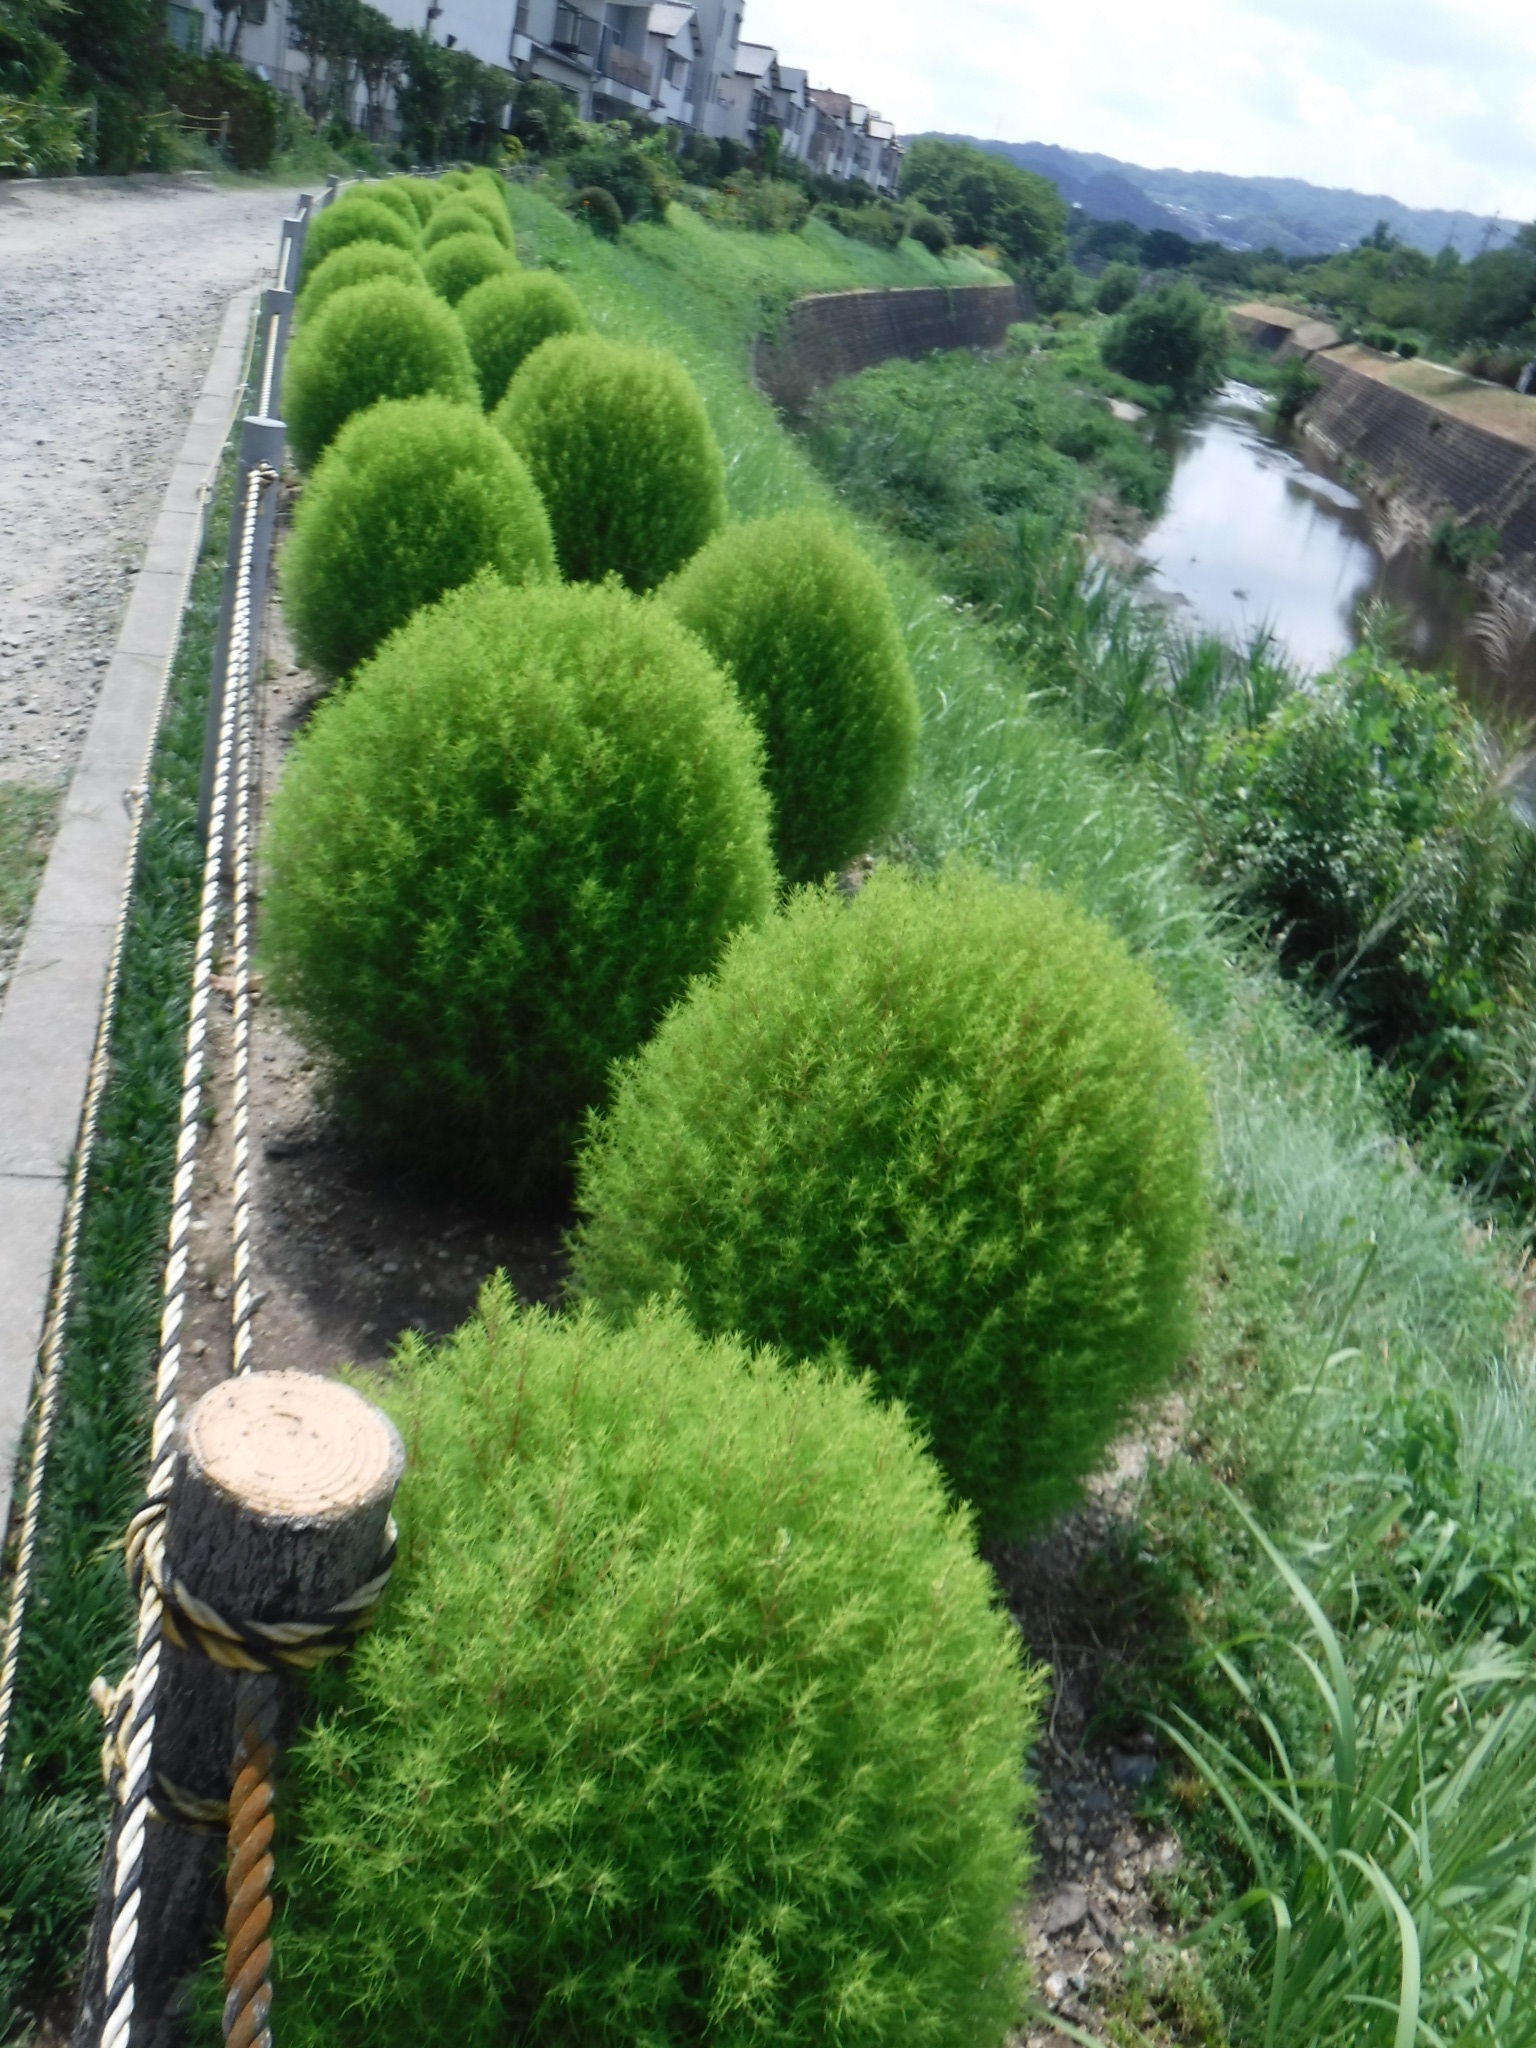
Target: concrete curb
(52,1007)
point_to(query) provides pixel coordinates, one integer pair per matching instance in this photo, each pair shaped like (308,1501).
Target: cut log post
(278,1513)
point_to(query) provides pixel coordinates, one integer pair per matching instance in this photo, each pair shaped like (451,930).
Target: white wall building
(680,63)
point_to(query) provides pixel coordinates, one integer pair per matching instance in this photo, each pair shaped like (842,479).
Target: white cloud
(1432,103)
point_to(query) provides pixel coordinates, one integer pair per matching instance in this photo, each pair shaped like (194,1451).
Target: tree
(1165,249)
(39,129)
(1117,287)
(1173,338)
(380,56)
(989,201)
(118,52)
(326,32)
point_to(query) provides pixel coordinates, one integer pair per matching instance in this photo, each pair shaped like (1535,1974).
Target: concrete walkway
(50,1018)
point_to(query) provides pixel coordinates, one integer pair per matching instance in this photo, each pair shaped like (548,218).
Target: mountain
(1245,213)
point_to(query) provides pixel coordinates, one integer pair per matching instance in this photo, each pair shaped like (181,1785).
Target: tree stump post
(278,1513)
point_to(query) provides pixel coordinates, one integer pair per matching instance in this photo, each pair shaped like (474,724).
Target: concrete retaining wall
(1428,463)
(837,334)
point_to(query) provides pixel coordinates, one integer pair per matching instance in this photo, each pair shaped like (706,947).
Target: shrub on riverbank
(719,1726)
(948,1132)
(456,266)
(413,498)
(1173,338)
(355,263)
(1360,824)
(802,622)
(498,857)
(353,218)
(506,318)
(370,342)
(456,217)
(622,452)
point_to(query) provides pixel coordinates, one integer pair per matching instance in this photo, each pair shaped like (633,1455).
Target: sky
(1434,104)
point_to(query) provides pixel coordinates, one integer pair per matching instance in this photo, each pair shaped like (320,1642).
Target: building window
(575,32)
(520,25)
(184,27)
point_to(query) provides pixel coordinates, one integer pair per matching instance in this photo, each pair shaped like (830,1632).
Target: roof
(834,105)
(791,79)
(667,17)
(881,129)
(754,60)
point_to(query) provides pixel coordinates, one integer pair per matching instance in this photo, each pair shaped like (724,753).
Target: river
(1259,533)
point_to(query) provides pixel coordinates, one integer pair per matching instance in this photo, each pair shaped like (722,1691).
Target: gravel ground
(111,295)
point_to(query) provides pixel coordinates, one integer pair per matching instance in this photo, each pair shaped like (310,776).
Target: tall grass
(80,1621)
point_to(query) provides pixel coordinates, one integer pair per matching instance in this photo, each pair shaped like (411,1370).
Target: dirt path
(111,294)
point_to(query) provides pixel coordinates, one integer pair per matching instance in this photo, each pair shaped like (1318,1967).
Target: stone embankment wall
(837,334)
(1425,463)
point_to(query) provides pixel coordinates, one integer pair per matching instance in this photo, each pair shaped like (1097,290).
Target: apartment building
(680,63)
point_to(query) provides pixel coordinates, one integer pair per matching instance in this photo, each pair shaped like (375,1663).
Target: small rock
(283,1148)
(1055,1987)
(1067,1910)
(1131,1773)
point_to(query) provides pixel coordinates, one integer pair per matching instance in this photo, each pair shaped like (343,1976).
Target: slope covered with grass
(1364,1358)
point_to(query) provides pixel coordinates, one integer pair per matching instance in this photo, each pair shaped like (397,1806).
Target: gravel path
(111,294)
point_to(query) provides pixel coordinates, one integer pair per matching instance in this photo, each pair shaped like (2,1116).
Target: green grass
(52,1803)
(27,814)
(1349,1282)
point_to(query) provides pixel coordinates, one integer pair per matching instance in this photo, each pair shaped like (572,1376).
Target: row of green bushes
(714,1726)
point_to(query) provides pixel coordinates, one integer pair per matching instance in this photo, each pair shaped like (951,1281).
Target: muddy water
(1259,534)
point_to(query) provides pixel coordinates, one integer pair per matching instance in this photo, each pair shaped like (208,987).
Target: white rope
(138,1738)
(51,1362)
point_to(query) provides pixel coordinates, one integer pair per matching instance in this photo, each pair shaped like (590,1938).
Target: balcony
(625,68)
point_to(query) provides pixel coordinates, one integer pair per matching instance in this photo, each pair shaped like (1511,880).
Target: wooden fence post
(279,1512)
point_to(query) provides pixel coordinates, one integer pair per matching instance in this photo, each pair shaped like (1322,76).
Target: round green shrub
(412,498)
(351,220)
(803,623)
(506,318)
(947,1131)
(387,192)
(455,217)
(355,263)
(622,452)
(596,205)
(422,193)
(456,266)
(498,857)
(371,341)
(690,1716)
(454,181)
(488,201)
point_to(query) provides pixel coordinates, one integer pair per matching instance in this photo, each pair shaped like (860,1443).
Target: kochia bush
(422,193)
(506,318)
(690,1716)
(948,1131)
(390,192)
(355,263)
(498,857)
(622,452)
(803,623)
(456,266)
(456,216)
(352,220)
(412,498)
(371,341)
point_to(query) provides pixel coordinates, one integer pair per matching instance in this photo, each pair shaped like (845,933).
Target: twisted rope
(248,1879)
(138,1732)
(51,1364)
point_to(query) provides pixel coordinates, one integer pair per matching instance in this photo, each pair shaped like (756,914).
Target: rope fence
(243,1652)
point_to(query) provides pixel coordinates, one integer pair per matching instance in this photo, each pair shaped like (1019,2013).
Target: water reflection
(1255,536)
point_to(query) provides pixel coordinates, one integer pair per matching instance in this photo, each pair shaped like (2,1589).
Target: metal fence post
(276,318)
